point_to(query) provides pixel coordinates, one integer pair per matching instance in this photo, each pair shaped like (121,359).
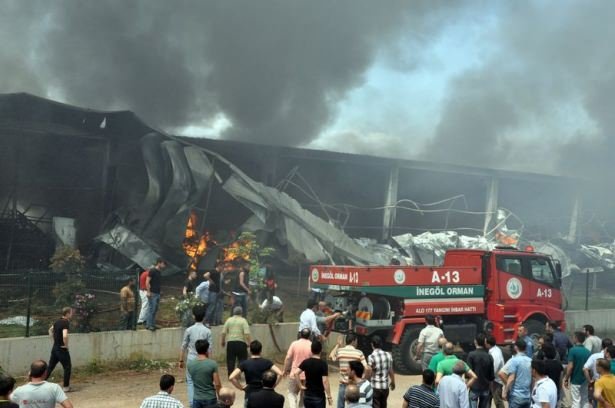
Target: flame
(232,253)
(195,244)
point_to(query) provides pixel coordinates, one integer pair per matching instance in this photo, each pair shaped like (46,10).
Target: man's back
(521,366)
(253,369)
(39,395)
(266,398)
(422,396)
(298,351)
(554,372)
(498,361)
(198,331)
(445,367)
(344,356)
(453,392)
(162,399)
(236,328)
(578,356)
(481,363)
(593,344)
(202,373)
(607,384)
(381,363)
(429,337)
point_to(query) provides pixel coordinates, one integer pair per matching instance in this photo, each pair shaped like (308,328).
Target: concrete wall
(16,354)
(603,320)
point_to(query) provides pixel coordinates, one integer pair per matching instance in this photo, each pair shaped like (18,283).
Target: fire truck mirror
(558,270)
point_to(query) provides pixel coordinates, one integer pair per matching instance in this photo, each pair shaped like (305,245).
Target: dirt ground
(127,389)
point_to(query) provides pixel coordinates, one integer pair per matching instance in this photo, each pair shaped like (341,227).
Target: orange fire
(195,244)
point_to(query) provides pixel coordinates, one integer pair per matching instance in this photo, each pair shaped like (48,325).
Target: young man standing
(498,363)
(214,302)
(344,355)
(517,377)
(481,363)
(574,378)
(127,305)
(152,284)
(592,342)
(253,369)
(44,393)
(428,341)
(241,289)
(544,394)
(316,379)
(529,343)
(143,297)
(381,363)
(235,336)
(198,331)
(204,374)
(307,320)
(59,351)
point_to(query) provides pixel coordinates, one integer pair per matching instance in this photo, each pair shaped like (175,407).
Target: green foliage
(246,247)
(68,261)
(94,367)
(66,292)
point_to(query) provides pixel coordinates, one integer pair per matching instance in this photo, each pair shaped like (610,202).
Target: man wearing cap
(235,337)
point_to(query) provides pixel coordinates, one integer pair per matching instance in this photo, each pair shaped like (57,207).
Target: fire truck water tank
(376,309)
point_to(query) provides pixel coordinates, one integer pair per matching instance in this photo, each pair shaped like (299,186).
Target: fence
(30,300)
(589,290)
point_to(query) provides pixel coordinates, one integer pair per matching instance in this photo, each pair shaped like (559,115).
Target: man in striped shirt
(366,392)
(344,355)
(422,396)
(381,363)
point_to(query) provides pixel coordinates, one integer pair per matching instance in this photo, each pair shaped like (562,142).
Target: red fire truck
(473,291)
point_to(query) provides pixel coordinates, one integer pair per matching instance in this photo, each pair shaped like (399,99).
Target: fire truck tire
(535,328)
(403,361)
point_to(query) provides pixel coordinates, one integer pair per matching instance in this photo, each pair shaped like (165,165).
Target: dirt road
(127,389)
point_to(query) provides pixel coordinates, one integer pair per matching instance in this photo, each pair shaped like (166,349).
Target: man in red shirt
(143,296)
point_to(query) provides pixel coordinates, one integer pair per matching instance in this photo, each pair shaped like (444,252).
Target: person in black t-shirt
(316,379)
(59,351)
(267,397)
(7,383)
(153,292)
(189,284)
(253,369)
(481,362)
(215,299)
(554,366)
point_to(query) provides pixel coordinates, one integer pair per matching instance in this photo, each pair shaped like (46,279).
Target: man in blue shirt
(560,341)
(529,343)
(517,377)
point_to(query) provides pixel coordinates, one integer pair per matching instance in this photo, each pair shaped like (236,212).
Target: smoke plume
(275,68)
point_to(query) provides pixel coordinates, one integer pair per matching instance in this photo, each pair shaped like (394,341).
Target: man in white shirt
(544,393)
(589,368)
(428,341)
(45,394)
(452,390)
(498,363)
(592,342)
(307,320)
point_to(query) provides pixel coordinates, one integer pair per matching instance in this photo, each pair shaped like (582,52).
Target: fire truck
(472,291)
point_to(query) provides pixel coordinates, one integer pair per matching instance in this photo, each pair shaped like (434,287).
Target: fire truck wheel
(535,328)
(403,353)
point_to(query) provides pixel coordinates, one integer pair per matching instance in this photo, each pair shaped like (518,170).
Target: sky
(522,85)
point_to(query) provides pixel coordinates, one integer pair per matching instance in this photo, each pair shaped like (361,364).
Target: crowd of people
(536,376)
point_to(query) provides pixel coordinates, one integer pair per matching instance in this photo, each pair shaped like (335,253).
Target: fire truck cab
(472,291)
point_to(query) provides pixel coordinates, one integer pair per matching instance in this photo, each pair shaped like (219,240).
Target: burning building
(126,193)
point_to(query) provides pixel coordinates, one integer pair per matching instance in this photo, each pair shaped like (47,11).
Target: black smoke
(276,68)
